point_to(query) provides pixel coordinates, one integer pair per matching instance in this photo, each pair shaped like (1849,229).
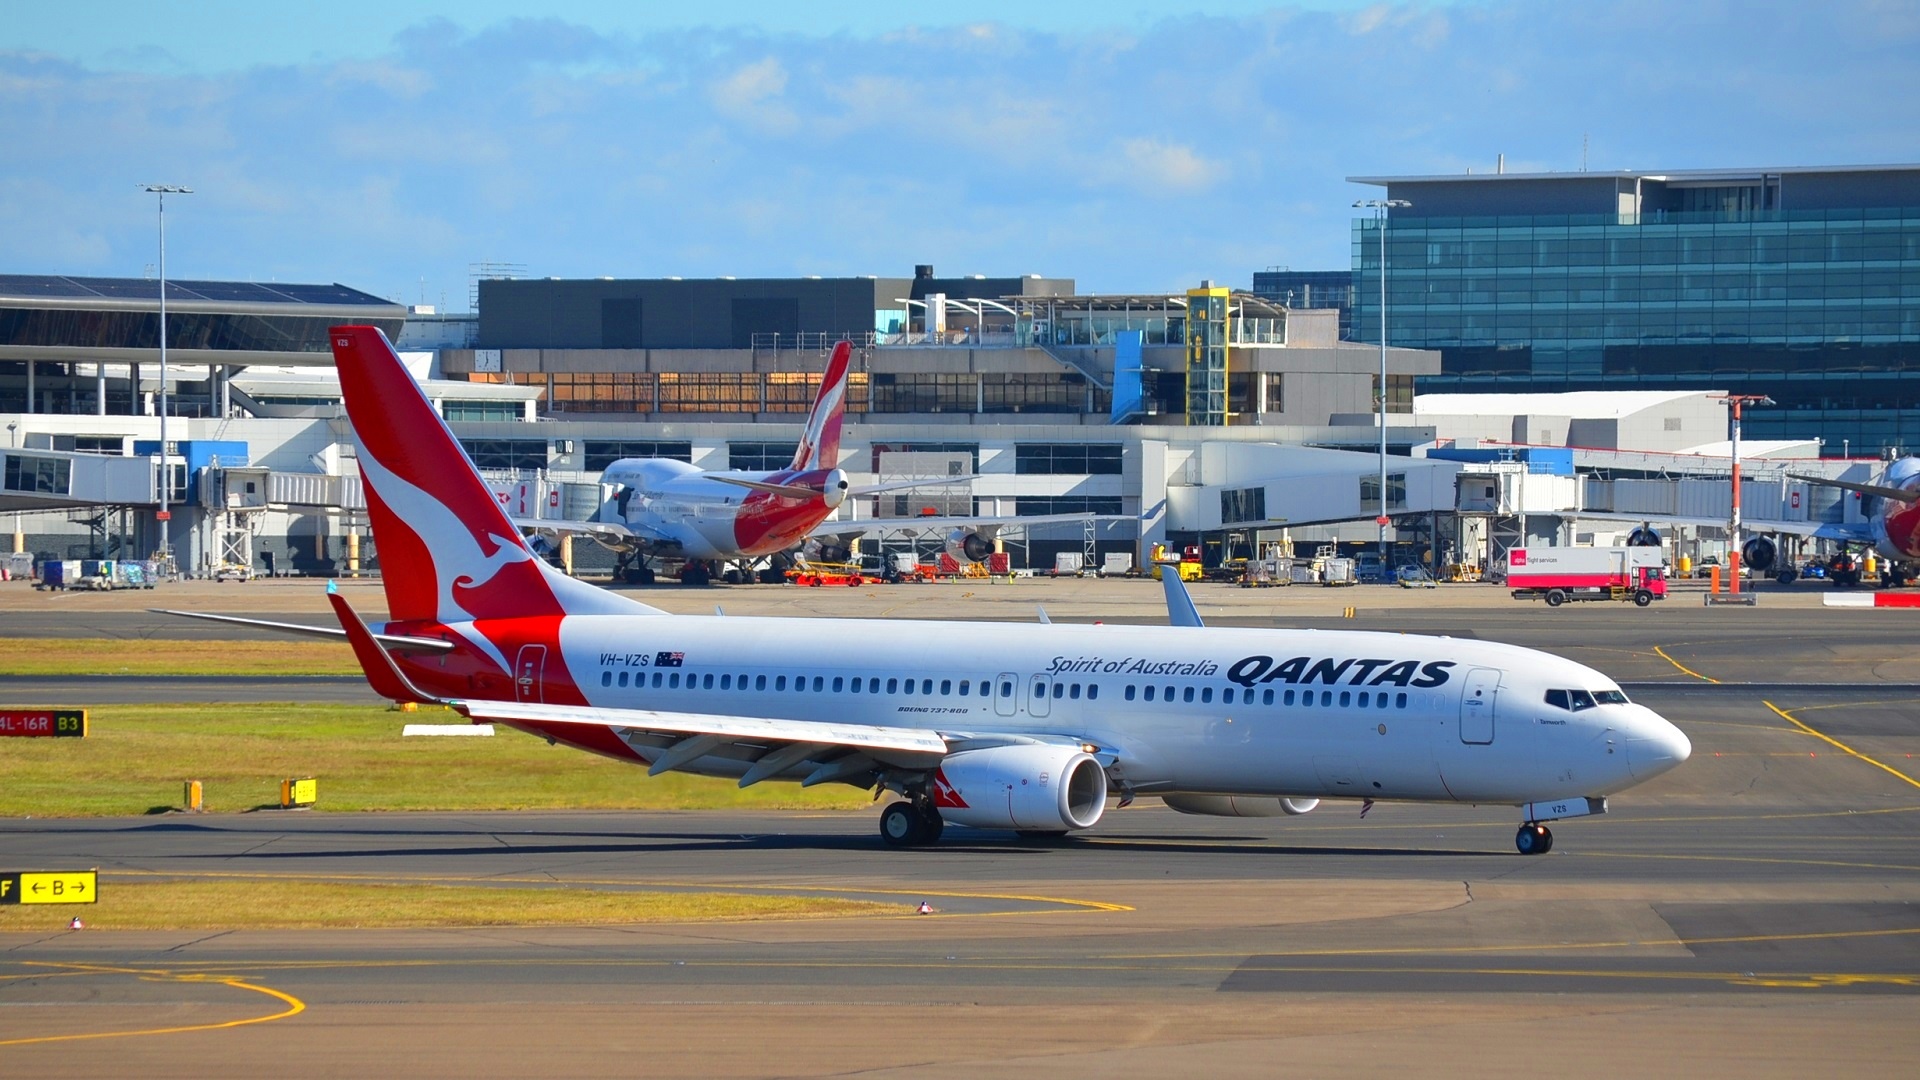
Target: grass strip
(278,905)
(98,656)
(136,757)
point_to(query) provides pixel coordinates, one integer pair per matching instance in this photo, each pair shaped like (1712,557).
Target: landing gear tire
(640,575)
(1555,597)
(1533,839)
(731,577)
(1642,598)
(905,824)
(900,825)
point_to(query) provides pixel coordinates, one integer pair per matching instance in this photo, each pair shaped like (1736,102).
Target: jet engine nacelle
(1758,554)
(1643,536)
(968,547)
(1238,805)
(1037,787)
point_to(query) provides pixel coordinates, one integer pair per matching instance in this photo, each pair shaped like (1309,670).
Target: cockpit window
(1576,700)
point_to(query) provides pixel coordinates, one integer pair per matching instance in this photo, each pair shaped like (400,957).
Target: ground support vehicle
(1191,568)
(1560,574)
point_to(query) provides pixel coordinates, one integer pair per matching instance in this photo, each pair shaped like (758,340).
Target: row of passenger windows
(840,684)
(821,684)
(1367,699)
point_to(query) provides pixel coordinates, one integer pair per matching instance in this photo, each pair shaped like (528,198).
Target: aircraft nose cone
(1656,746)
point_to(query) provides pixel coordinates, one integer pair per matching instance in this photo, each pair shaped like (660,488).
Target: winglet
(1180,609)
(383,674)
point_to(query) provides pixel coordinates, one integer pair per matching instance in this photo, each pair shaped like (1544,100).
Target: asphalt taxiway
(1756,911)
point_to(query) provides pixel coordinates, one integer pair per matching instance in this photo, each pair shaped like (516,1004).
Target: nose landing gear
(1533,839)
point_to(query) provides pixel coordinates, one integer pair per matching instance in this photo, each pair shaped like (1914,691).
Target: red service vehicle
(1560,574)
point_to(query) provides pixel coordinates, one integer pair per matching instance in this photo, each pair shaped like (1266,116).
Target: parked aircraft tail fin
(446,549)
(820,444)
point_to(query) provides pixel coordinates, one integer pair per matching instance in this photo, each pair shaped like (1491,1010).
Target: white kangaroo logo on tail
(458,558)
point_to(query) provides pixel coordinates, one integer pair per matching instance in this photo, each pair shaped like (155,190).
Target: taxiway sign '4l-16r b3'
(1026,728)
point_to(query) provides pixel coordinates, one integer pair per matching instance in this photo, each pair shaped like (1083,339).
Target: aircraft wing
(767,747)
(1880,490)
(986,526)
(1819,530)
(612,534)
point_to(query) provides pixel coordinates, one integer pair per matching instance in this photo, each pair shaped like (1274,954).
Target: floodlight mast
(1736,401)
(1380,207)
(165,516)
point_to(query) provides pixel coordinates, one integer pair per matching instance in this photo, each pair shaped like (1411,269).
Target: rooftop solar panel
(50,286)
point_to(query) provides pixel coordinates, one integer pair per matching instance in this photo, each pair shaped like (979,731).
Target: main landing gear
(1533,839)
(910,823)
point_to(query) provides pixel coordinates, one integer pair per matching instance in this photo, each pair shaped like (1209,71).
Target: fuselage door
(1039,695)
(1006,693)
(528,672)
(1477,696)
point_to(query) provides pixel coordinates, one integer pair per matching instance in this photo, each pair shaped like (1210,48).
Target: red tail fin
(447,552)
(820,443)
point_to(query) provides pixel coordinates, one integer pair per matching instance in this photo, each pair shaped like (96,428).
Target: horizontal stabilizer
(785,491)
(391,641)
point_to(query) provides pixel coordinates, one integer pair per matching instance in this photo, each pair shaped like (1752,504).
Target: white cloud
(752,95)
(1163,168)
(988,149)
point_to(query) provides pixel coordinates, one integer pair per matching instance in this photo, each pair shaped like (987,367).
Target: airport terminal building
(1056,402)
(1801,284)
(1207,416)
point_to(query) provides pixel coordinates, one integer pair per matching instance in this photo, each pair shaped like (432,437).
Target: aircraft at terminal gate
(1028,728)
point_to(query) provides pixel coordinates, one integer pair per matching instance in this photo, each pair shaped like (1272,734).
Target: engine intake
(1238,805)
(1037,787)
(1758,553)
(971,547)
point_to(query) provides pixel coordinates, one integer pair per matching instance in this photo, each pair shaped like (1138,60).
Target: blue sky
(390,145)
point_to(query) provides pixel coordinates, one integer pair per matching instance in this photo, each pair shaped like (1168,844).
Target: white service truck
(1560,574)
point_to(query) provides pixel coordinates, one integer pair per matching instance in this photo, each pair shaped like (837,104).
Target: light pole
(1380,207)
(165,516)
(1733,525)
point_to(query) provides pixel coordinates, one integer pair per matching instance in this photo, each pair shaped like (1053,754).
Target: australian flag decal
(669,659)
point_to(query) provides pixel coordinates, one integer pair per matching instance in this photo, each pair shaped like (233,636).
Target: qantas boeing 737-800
(1026,727)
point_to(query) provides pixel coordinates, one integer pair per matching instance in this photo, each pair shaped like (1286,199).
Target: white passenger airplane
(1892,529)
(1026,727)
(669,509)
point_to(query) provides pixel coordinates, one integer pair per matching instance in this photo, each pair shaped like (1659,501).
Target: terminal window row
(794,392)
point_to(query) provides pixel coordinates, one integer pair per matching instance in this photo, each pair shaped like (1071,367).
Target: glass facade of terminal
(1818,309)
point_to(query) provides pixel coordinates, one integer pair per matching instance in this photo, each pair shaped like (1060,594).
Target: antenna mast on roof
(487,271)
